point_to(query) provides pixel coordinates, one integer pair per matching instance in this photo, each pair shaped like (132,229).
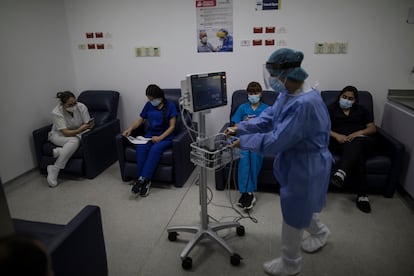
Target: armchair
(175,165)
(77,248)
(383,168)
(266,179)
(97,150)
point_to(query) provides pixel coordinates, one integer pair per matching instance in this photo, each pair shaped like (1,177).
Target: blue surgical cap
(285,63)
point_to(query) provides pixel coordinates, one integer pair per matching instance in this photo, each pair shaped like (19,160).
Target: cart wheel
(187,263)
(240,230)
(235,259)
(172,236)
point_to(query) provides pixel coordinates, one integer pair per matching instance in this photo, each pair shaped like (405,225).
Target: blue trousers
(249,167)
(148,157)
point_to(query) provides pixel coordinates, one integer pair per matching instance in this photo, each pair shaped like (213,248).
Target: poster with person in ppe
(214,26)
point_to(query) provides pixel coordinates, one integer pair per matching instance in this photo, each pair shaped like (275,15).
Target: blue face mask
(276,85)
(155,102)
(345,104)
(253,99)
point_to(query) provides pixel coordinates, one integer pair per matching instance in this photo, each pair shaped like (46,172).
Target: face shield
(272,81)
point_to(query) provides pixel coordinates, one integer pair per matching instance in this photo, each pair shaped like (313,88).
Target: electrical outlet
(319,48)
(342,47)
(245,43)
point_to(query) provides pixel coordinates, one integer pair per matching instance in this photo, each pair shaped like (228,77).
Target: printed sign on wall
(214,25)
(263,5)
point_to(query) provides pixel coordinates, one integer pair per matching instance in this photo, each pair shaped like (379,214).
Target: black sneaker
(242,200)
(337,181)
(362,203)
(145,188)
(137,187)
(250,201)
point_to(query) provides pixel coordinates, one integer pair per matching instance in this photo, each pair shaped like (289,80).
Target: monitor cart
(209,154)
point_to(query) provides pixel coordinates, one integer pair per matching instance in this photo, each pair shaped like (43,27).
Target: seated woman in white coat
(70,118)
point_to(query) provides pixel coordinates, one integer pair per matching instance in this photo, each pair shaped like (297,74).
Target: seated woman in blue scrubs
(161,116)
(250,162)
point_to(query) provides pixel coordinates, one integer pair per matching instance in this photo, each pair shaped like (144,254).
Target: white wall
(35,63)
(380,54)
(380,46)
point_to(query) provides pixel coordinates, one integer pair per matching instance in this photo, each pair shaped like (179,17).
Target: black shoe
(362,203)
(337,181)
(242,200)
(145,187)
(250,201)
(137,187)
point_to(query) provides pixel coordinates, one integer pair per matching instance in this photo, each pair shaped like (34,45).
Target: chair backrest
(102,104)
(174,95)
(365,99)
(240,97)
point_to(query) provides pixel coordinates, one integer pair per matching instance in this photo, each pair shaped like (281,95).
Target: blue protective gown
(296,130)
(250,163)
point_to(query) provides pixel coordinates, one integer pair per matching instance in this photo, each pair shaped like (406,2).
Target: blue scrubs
(250,163)
(296,130)
(149,154)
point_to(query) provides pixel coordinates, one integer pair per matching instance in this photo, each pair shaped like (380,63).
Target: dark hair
(254,87)
(352,89)
(64,96)
(156,92)
(22,255)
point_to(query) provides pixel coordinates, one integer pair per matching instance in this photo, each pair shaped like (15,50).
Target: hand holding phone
(91,122)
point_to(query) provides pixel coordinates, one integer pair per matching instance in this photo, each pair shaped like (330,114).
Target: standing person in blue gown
(296,130)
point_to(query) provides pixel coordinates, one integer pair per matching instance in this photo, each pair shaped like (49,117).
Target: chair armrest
(181,149)
(394,149)
(40,136)
(80,248)
(99,147)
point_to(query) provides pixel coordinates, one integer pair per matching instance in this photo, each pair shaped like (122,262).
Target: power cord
(240,216)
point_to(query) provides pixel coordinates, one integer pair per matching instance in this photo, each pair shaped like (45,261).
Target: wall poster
(214,25)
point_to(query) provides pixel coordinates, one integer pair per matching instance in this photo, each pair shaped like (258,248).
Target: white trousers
(292,240)
(290,247)
(69,146)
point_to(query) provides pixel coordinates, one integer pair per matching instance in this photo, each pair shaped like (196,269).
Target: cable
(184,114)
(228,188)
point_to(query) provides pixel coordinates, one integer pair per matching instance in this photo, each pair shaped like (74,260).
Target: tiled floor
(380,243)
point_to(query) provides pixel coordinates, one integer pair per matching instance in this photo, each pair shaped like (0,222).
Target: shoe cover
(290,261)
(318,237)
(277,267)
(52,175)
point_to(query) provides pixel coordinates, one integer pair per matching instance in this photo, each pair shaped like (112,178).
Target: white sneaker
(56,152)
(52,174)
(276,267)
(315,242)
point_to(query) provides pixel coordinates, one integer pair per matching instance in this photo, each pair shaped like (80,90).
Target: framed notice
(214,26)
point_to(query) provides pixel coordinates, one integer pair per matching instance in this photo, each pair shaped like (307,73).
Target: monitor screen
(207,91)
